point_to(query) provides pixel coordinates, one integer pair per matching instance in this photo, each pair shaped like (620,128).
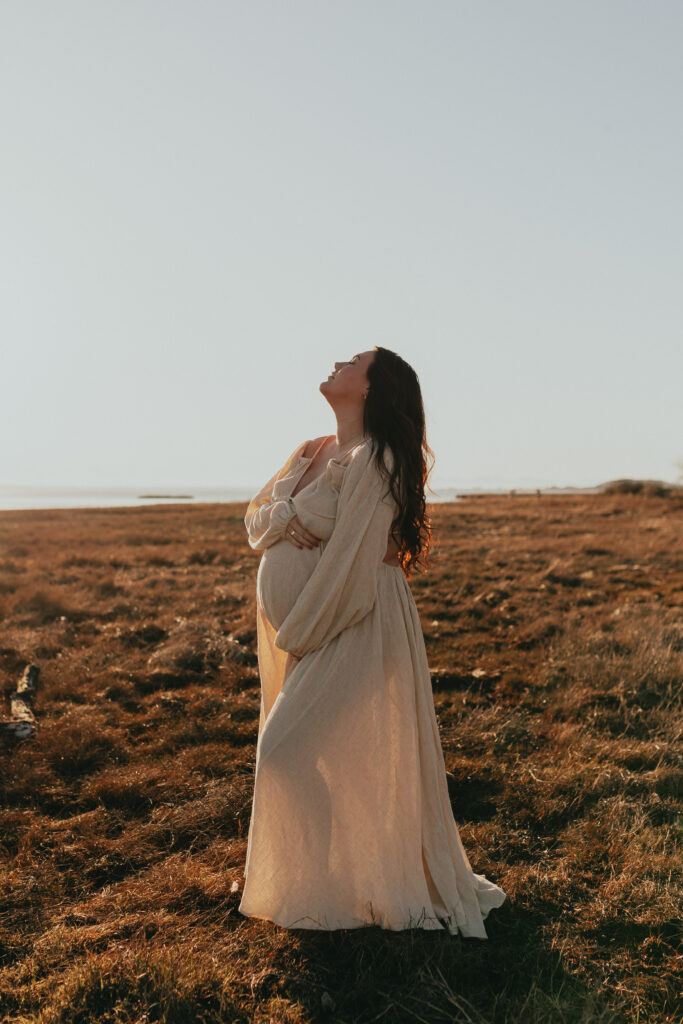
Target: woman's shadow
(371,974)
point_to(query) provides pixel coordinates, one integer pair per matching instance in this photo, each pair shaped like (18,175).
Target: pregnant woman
(351,821)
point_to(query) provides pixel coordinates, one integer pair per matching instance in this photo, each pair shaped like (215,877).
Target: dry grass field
(554,628)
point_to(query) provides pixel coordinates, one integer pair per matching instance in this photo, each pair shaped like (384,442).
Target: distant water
(15,498)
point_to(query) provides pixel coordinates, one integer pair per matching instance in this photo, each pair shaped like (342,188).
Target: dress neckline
(310,483)
(309,458)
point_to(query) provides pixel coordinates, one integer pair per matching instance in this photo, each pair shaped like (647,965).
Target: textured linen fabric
(351,820)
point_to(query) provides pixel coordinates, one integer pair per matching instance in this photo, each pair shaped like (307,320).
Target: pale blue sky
(204,204)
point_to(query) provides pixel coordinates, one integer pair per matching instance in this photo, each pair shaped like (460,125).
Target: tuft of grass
(44,606)
(170,987)
(79,742)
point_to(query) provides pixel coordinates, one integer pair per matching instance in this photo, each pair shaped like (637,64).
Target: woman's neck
(348,431)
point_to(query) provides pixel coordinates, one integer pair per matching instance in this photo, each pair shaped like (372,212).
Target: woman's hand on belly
(299,536)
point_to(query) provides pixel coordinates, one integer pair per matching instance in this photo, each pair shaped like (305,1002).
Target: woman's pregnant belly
(282,574)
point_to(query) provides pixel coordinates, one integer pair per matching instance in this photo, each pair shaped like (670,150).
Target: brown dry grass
(554,631)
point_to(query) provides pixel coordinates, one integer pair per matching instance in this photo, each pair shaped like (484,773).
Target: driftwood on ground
(22,720)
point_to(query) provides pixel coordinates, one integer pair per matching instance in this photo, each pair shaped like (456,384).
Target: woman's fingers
(299,535)
(301,541)
(309,538)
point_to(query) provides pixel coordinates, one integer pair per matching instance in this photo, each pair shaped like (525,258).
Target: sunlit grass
(554,630)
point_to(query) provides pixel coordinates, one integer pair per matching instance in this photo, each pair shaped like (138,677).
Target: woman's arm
(267,514)
(342,588)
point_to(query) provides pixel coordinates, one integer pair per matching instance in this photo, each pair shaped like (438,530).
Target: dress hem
(490,898)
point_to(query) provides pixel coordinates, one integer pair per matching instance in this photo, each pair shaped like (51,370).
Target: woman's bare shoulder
(312,446)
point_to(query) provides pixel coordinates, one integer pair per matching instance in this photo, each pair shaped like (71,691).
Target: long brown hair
(394,416)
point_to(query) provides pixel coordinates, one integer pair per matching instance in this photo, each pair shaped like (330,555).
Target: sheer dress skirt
(351,820)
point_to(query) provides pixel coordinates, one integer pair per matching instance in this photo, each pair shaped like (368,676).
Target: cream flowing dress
(351,821)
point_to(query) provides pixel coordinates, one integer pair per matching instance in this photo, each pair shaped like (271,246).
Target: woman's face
(349,380)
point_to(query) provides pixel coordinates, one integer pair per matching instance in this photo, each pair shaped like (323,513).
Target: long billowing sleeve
(343,586)
(268,513)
